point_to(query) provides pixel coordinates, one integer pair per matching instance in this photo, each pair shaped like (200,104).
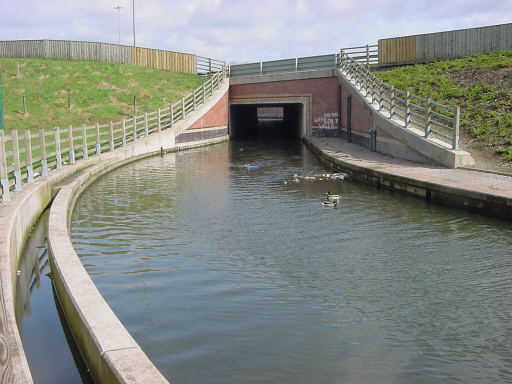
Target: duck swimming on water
(332,198)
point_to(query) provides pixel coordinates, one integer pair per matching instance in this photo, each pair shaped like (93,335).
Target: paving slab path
(488,192)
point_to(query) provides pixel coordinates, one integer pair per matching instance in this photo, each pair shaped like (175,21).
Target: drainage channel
(49,346)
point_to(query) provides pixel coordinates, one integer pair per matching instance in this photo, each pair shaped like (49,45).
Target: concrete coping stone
(111,352)
(118,358)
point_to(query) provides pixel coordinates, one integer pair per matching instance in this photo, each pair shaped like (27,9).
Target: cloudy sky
(244,30)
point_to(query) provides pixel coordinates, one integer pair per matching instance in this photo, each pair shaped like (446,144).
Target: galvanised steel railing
(367,54)
(309,63)
(206,66)
(31,155)
(422,115)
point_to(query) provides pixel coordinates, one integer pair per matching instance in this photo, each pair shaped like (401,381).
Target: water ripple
(232,275)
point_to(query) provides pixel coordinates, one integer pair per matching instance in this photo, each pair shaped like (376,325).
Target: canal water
(226,270)
(51,352)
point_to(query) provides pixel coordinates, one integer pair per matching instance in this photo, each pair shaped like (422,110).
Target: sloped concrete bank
(17,218)
(110,352)
(472,190)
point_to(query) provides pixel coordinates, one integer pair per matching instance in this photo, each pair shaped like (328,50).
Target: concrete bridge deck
(486,192)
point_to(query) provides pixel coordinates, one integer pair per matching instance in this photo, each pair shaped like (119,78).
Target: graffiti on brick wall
(329,120)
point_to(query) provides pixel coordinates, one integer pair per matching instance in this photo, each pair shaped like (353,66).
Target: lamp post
(118,8)
(1,106)
(133,20)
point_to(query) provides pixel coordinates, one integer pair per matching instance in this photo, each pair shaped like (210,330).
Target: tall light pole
(1,106)
(118,8)
(133,19)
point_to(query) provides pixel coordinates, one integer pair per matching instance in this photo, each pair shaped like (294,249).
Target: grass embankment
(481,85)
(100,92)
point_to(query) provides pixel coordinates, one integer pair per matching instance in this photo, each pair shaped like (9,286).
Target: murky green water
(226,274)
(49,347)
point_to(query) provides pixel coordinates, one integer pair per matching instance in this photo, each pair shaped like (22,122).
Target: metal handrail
(441,121)
(22,155)
(367,54)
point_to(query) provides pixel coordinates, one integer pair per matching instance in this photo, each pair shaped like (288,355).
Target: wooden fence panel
(22,48)
(397,50)
(172,61)
(445,45)
(90,51)
(464,42)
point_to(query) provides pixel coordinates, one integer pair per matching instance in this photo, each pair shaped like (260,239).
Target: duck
(329,204)
(332,198)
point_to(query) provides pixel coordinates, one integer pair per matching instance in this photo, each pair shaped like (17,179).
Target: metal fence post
(211,86)
(2,111)
(16,159)
(85,152)
(407,108)
(4,180)
(71,148)
(381,93)
(456,127)
(28,152)
(373,89)
(146,129)
(194,99)
(159,120)
(210,67)
(42,144)
(367,56)
(98,144)
(428,119)
(134,127)
(172,116)
(111,136)
(123,128)
(183,109)
(58,155)
(392,102)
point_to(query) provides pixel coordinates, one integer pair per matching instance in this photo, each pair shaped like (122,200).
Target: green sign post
(1,106)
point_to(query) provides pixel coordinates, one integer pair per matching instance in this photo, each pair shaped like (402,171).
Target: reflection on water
(225,273)
(50,350)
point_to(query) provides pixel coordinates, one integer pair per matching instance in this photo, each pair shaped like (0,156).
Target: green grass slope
(99,91)
(481,85)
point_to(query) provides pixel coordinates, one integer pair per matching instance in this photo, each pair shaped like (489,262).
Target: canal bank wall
(18,217)
(482,192)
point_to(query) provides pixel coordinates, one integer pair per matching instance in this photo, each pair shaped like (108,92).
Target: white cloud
(243,30)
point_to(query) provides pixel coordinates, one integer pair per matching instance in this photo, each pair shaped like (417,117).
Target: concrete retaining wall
(16,220)
(326,114)
(392,138)
(449,190)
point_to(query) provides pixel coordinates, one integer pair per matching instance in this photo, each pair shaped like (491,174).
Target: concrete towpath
(487,192)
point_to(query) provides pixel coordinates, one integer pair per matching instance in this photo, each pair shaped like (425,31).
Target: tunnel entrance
(266,121)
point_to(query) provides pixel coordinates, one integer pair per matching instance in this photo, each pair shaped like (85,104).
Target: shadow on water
(49,346)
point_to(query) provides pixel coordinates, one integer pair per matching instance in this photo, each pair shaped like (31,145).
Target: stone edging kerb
(473,200)
(18,216)
(110,351)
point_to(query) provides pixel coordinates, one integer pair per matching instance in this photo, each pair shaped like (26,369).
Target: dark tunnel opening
(266,121)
